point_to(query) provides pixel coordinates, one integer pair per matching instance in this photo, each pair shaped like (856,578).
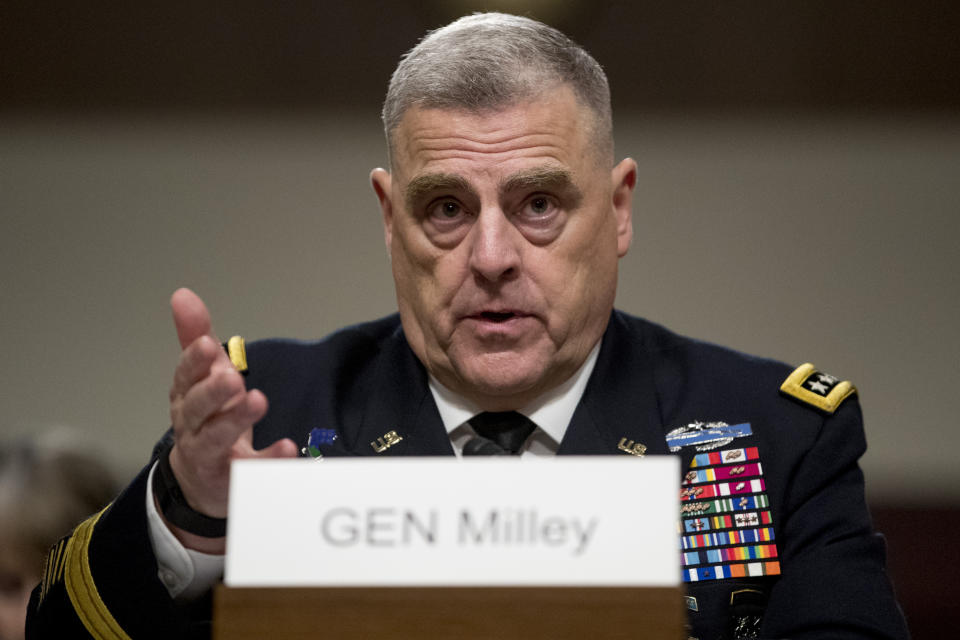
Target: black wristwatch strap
(174,506)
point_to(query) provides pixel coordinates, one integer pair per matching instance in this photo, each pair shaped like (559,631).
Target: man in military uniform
(505,216)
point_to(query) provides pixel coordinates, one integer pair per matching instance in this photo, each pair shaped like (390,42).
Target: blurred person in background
(47,485)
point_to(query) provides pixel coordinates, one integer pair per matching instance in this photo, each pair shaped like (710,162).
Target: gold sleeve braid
(53,568)
(78,579)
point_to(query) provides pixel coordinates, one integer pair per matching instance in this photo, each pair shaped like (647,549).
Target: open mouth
(497,316)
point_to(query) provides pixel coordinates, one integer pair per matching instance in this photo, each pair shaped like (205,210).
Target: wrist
(176,511)
(203,544)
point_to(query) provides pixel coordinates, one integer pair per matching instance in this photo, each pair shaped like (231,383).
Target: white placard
(564,521)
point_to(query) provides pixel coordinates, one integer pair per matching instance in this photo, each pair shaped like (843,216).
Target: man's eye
(447,209)
(539,206)
(446,221)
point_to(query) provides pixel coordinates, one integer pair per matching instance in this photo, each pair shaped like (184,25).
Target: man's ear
(624,179)
(381,180)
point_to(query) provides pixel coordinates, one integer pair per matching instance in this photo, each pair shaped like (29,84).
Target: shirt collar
(551,412)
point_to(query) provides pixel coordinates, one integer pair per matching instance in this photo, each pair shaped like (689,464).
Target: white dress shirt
(551,412)
(188,574)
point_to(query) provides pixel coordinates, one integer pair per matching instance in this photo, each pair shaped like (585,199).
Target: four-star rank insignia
(823,391)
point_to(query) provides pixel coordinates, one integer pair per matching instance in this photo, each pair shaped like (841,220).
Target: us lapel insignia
(821,390)
(386,441)
(631,447)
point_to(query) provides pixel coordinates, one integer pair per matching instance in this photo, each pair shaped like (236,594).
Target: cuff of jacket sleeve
(187,574)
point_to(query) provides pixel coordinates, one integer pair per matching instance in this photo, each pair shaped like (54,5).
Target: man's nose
(495,246)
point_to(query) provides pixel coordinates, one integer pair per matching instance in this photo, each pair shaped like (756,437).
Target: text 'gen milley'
(389,527)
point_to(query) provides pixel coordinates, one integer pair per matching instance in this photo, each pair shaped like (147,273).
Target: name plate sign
(564,521)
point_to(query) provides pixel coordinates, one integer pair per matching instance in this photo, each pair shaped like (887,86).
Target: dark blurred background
(701,55)
(800,163)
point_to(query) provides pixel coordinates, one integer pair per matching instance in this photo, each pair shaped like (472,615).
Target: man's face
(504,230)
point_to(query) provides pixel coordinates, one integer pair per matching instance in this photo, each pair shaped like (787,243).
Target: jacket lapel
(619,413)
(399,417)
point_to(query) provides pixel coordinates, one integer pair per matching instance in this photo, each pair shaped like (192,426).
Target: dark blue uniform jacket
(775,534)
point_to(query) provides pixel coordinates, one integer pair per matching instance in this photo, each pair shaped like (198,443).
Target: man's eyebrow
(546,178)
(538,178)
(432,182)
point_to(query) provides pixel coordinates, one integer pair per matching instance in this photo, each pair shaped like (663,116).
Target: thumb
(190,316)
(285,448)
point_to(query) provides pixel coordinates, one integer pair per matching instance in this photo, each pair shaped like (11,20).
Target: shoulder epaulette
(821,390)
(237,351)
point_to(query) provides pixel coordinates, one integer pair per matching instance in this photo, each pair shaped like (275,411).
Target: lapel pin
(386,441)
(316,439)
(634,449)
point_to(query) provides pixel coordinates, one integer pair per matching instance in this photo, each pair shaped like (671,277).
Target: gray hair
(493,60)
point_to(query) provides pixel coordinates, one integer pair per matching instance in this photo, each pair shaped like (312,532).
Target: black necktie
(500,433)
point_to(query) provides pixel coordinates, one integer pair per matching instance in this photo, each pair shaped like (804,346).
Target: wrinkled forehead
(557,105)
(547,119)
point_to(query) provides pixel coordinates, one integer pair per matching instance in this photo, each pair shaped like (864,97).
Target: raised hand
(211,411)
